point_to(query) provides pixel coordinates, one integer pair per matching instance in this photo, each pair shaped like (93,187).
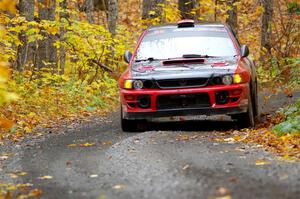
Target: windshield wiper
(150,59)
(190,56)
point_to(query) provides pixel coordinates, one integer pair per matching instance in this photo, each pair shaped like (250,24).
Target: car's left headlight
(133,84)
(128,84)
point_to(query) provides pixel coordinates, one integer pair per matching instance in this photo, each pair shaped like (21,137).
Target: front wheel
(131,125)
(247,119)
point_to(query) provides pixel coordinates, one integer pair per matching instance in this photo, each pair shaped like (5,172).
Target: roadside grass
(291,120)
(280,133)
(45,99)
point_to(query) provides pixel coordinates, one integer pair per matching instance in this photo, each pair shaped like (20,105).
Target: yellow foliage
(8,5)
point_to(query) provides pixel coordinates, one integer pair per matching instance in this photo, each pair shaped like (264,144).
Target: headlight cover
(237,79)
(138,84)
(133,84)
(227,79)
(128,84)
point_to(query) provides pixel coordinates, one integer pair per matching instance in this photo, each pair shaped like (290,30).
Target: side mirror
(244,51)
(127,56)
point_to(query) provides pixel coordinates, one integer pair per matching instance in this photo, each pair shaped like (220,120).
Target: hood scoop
(183,61)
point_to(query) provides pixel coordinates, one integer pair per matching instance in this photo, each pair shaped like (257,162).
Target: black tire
(132,126)
(255,103)
(246,120)
(129,125)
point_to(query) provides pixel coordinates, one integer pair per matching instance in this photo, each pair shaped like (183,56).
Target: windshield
(174,43)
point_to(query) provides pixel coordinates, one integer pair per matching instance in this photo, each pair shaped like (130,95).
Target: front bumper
(184,112)
(232,107)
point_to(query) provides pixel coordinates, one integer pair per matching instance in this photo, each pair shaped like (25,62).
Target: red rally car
(188,69)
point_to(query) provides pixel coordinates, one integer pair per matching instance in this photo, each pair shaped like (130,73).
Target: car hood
(157,70)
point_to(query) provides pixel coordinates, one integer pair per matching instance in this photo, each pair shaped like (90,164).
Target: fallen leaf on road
(233,179)
(186,167)
(12,175)
(17,174)
(94,176)
(223,197)
(6,196)
(137,140)
(283,176)
(72,145)
(45,177)
(262,162)
(184,137)
(7,154)
(229,140)
(119,186)
(87,144)
(107,142)
(68,163)
(6,124)
(222,191)
(82,145)
(35,193)
(4,157)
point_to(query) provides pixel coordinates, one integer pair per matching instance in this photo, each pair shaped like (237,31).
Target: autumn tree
(110,7)
(62,51)
(47,52)
(25,50)
(88,7)
(189,9)
(266,28)
(152,9)
(112,15)
(232,15)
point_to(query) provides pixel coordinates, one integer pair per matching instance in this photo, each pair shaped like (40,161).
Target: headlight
(138,84)
(227,80)
(128,84)
(237,78)
(133,84)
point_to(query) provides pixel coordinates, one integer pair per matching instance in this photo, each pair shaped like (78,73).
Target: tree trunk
(151,9)
(189,9)
(112,15)
(89,10)
(266,31)
(47,52)
(25,52)
(62,51)
(232,15)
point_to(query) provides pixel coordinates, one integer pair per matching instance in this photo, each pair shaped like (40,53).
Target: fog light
(144,101)
(138,84)
(222,97)
(227,80)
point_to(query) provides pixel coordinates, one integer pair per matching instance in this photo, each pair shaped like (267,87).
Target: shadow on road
(195,125)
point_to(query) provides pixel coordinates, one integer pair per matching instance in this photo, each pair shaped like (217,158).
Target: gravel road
(173,160)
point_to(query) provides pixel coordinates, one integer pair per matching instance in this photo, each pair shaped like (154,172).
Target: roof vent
(186,23)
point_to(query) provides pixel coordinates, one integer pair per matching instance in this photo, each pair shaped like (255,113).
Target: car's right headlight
(237,79)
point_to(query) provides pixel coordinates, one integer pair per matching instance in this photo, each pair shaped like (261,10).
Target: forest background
(60,59)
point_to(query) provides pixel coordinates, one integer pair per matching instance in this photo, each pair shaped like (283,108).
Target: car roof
(212,25)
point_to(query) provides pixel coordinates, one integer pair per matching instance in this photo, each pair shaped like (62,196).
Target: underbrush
(45,99)
(291,120)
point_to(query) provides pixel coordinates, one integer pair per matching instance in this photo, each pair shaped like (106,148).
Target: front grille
(182,83)
(200,100)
